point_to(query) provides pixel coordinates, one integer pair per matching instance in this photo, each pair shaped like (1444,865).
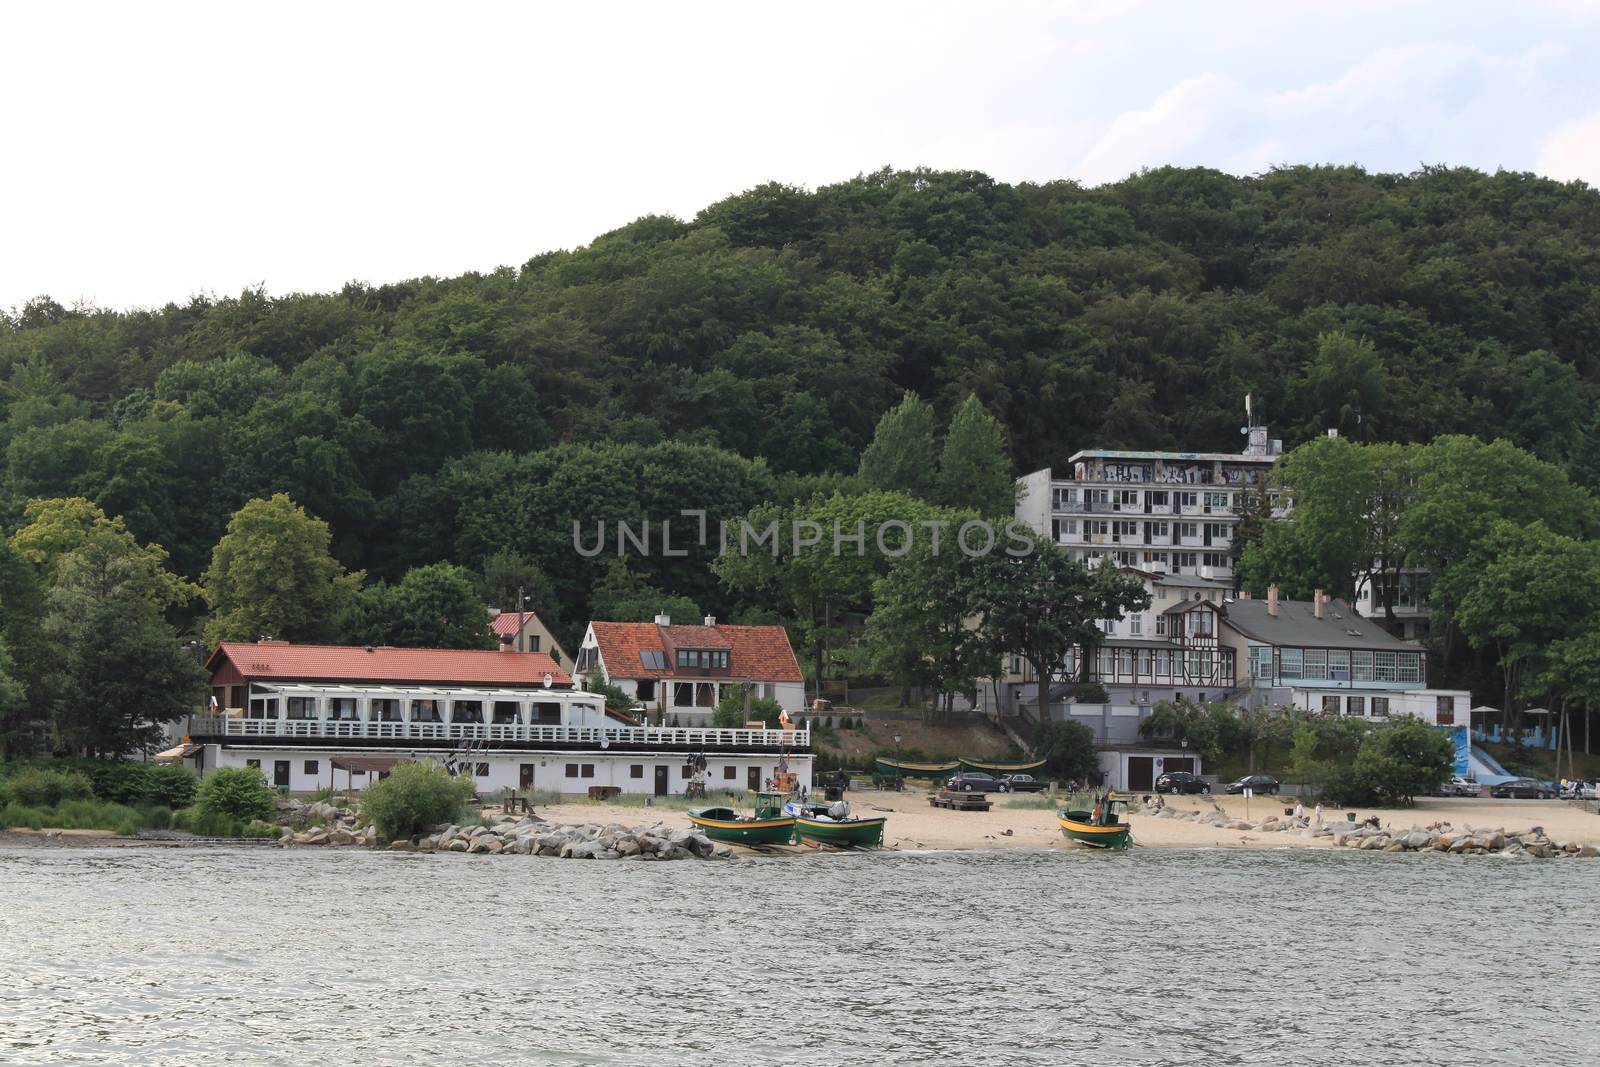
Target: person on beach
(1318,813)
(1299,810)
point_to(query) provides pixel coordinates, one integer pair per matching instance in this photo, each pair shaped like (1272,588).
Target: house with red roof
(676,671)
(314,716)
(524,631)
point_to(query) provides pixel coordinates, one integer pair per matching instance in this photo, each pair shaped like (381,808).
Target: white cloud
(1573,153)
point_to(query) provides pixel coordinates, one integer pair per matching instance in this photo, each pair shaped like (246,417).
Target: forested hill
(421,418)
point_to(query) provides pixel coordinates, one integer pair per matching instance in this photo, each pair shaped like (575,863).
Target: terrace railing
(525,733)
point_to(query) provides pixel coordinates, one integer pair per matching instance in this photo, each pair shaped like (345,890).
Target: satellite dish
(605,742)
(549,679)
(1244,429)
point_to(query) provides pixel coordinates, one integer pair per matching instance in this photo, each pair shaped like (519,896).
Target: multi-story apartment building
(1163,512)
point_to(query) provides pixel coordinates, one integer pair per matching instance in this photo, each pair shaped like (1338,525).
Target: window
(1125,528)
(302,707)
(533,642)
(1380,707)
(1339,666)
(572,770)
(1214,559)
(264,708)
(1188,500)
(1217,531)
(653,659)
(645,689)
(1144,663)
(253,763)
(1409,666)
(1330,705)
(1316,663)
(1386,669)
(1109,626)
(1064,499)
(1161,625)
(1261,663)
(1128,498)
(587,770)
(1289,665)
(1188,529)
(311,767)
(425,711)
(1445,710)
(683,694)
(1184,559)
(1361,666)
(703,658)
(1355,706)
(1095,527)
(467,711)
(636,770)
(1200,624)
(1159,529)
(730,772)
(482,771)
(385,709)
(342,709)
(1156,499)
(1217,500)
(506,712)
(1136,625)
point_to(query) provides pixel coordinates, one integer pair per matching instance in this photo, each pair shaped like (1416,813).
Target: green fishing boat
(768,826)
(998,769)
(1098,828)
(832,824)
(904,769)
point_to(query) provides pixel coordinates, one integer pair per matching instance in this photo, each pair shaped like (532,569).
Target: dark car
(1181,782)
(1522,789)
(1256,783)
(1021,783)
(974,782)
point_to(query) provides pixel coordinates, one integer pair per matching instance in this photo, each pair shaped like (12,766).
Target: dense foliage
(413,797)
(236,793)
(379,463)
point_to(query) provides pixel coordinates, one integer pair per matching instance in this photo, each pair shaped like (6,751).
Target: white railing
(209,726)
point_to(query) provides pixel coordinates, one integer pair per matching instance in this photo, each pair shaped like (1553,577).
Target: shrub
(169,783)
(239,793)
(414,797)
(1092,693)
(20,815)
(6,795)
(42,787)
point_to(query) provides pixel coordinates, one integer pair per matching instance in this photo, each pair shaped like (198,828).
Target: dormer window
(707,659)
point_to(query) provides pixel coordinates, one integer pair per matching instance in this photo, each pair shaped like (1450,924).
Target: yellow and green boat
(832,824)
(906,769)
(998,769)
(1098,828)
(768,826)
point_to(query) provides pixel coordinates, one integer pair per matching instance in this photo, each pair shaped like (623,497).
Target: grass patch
(86,815)
(673,803)
(1049,801)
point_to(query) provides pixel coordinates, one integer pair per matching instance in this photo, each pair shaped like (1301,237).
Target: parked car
(1522,789)
(1257,783)
(1021,783)
(1459,787)
(1580,791)
(1176,782)
(974,782)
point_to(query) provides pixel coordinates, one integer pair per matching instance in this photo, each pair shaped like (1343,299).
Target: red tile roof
(756,653)
(506,622)
(353,663)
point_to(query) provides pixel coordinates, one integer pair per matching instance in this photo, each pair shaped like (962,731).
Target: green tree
(921,631)
(73,531)
(1067,749)
(1044,604)
(236,793)
(974,468)
(900,457)
(272,575)
(414,798)
(1345,388)
(623,596)
(436,606)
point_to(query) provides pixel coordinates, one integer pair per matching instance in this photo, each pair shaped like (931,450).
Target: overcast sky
(150,154)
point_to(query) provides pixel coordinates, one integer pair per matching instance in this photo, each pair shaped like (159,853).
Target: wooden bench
(960,801)
(604,792)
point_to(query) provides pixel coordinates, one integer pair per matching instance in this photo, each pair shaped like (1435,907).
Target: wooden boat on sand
(1098,828)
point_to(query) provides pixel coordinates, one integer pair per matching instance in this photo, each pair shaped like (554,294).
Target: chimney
(1244,594)
(1316,603)
(1272,600)
(663,620)
(711,620)
(506,643)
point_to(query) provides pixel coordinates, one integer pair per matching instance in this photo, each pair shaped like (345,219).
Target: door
(1141,773)
(280,773)
(525,776)
(753,779)
(661,780)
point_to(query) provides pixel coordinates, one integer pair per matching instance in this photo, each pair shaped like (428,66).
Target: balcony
(207,728)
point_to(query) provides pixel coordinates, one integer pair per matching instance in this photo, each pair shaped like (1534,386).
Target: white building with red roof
(678,672)
(312,716)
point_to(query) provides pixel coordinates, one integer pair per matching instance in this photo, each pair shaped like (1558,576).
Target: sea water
(256,955)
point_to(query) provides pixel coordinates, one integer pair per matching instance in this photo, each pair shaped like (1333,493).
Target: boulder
(341,836)
(628,847)
(457,844)
(402,844)
(700,845)
(1588,852)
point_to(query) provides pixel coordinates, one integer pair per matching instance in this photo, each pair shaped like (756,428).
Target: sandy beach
(914,824)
